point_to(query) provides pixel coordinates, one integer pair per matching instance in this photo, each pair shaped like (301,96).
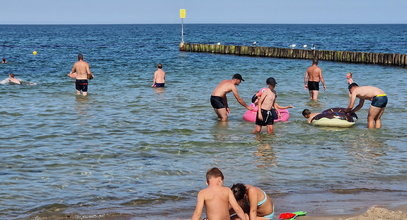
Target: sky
(203,11)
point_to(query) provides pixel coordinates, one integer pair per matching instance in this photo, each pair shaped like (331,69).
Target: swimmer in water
(3,61)
(308,115)
(159,77)
(219,101)
(12,79)
(374,94)
(349,77)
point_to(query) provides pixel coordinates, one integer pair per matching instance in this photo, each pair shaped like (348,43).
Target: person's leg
(84,93)
(222,114)
(78,92)
(315,94)
(257,129)
(372,115)
(269,129)
(378,119)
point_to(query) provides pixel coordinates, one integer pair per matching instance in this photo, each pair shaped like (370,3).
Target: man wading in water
(81,72)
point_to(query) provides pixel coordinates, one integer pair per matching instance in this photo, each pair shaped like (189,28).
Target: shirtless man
(374,94)
(266,113)
(312,77)
(308,115)
(219,101)
(12,79)
(216,198)
(159,77)
(81,72)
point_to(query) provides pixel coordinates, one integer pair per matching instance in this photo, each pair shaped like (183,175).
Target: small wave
(359,190)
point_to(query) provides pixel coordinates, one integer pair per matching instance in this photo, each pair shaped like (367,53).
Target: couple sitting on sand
(248,202)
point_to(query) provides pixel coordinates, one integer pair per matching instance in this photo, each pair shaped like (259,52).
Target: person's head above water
(214,173)
(352,86)
(159,66)
(349,75)
(11,75)
(237,78)
(80,56)
(271,82)
(4,60)
(315,61)
(306,113)
(239,191)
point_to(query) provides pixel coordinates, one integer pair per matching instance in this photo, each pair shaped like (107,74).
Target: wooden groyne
(392,59)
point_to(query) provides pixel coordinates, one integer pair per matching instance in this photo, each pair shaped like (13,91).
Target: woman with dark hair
(261,205)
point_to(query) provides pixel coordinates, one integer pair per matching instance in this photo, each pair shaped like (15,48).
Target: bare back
(82,69)
(216,202)
(367,92)
(159,76)
(314,73)
(223,88)
(267,99)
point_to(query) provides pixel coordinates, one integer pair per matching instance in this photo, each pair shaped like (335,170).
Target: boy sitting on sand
(308,115)
(216,199)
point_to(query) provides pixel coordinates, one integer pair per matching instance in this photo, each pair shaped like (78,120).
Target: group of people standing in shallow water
(267,105)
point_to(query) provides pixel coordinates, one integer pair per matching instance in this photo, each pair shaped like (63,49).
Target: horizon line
(203,23)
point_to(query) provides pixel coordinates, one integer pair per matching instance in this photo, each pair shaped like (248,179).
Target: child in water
(349,77)
(12,79)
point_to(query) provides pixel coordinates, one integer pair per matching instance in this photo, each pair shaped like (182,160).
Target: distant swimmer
(3,61)
(266,113)
(349,77)
(312,77)
(12,79)
(374,94)
(308,115)
(159,77)
(219,101)
(81,72)
(216,198)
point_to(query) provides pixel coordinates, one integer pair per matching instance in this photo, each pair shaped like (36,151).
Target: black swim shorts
(217,102)
(313,85)
(268,118)
(380,101)
(81,85)
(159,84)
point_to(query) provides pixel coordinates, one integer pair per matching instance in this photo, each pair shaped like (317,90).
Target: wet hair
(80,56)
(12,75)
(214,173)
(315,61)
(352,85)
(159,66)
(239,191)
(350,74)
(4,59)
(306,112)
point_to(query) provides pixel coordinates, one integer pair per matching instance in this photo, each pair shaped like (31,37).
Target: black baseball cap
(271,81)
(238,76)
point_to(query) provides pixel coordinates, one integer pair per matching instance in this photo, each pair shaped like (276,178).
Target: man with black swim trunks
(312,77)
(378,98)
(81,71)
(159,77)
(218,98)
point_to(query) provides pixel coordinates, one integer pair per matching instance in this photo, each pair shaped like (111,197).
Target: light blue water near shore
(131,150)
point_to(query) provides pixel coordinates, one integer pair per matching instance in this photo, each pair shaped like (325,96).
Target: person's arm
(240,100)
(199,206)
(359,106)
(322,79)
(352,99)
(253,203)
(88,70)
(306,80)
(277,106)
(154,78)
(236,206)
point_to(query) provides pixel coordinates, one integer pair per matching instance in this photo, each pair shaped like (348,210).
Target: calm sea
(130,151)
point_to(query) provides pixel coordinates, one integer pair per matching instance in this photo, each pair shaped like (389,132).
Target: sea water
(130,150)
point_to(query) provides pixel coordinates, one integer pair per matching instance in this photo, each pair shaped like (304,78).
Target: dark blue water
(129,150)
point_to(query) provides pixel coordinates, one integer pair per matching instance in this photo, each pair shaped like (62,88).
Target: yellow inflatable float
(335,117)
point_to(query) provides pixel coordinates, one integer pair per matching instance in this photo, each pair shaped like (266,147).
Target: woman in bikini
(261,205)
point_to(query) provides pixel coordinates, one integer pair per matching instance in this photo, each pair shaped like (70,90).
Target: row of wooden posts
(392,59)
